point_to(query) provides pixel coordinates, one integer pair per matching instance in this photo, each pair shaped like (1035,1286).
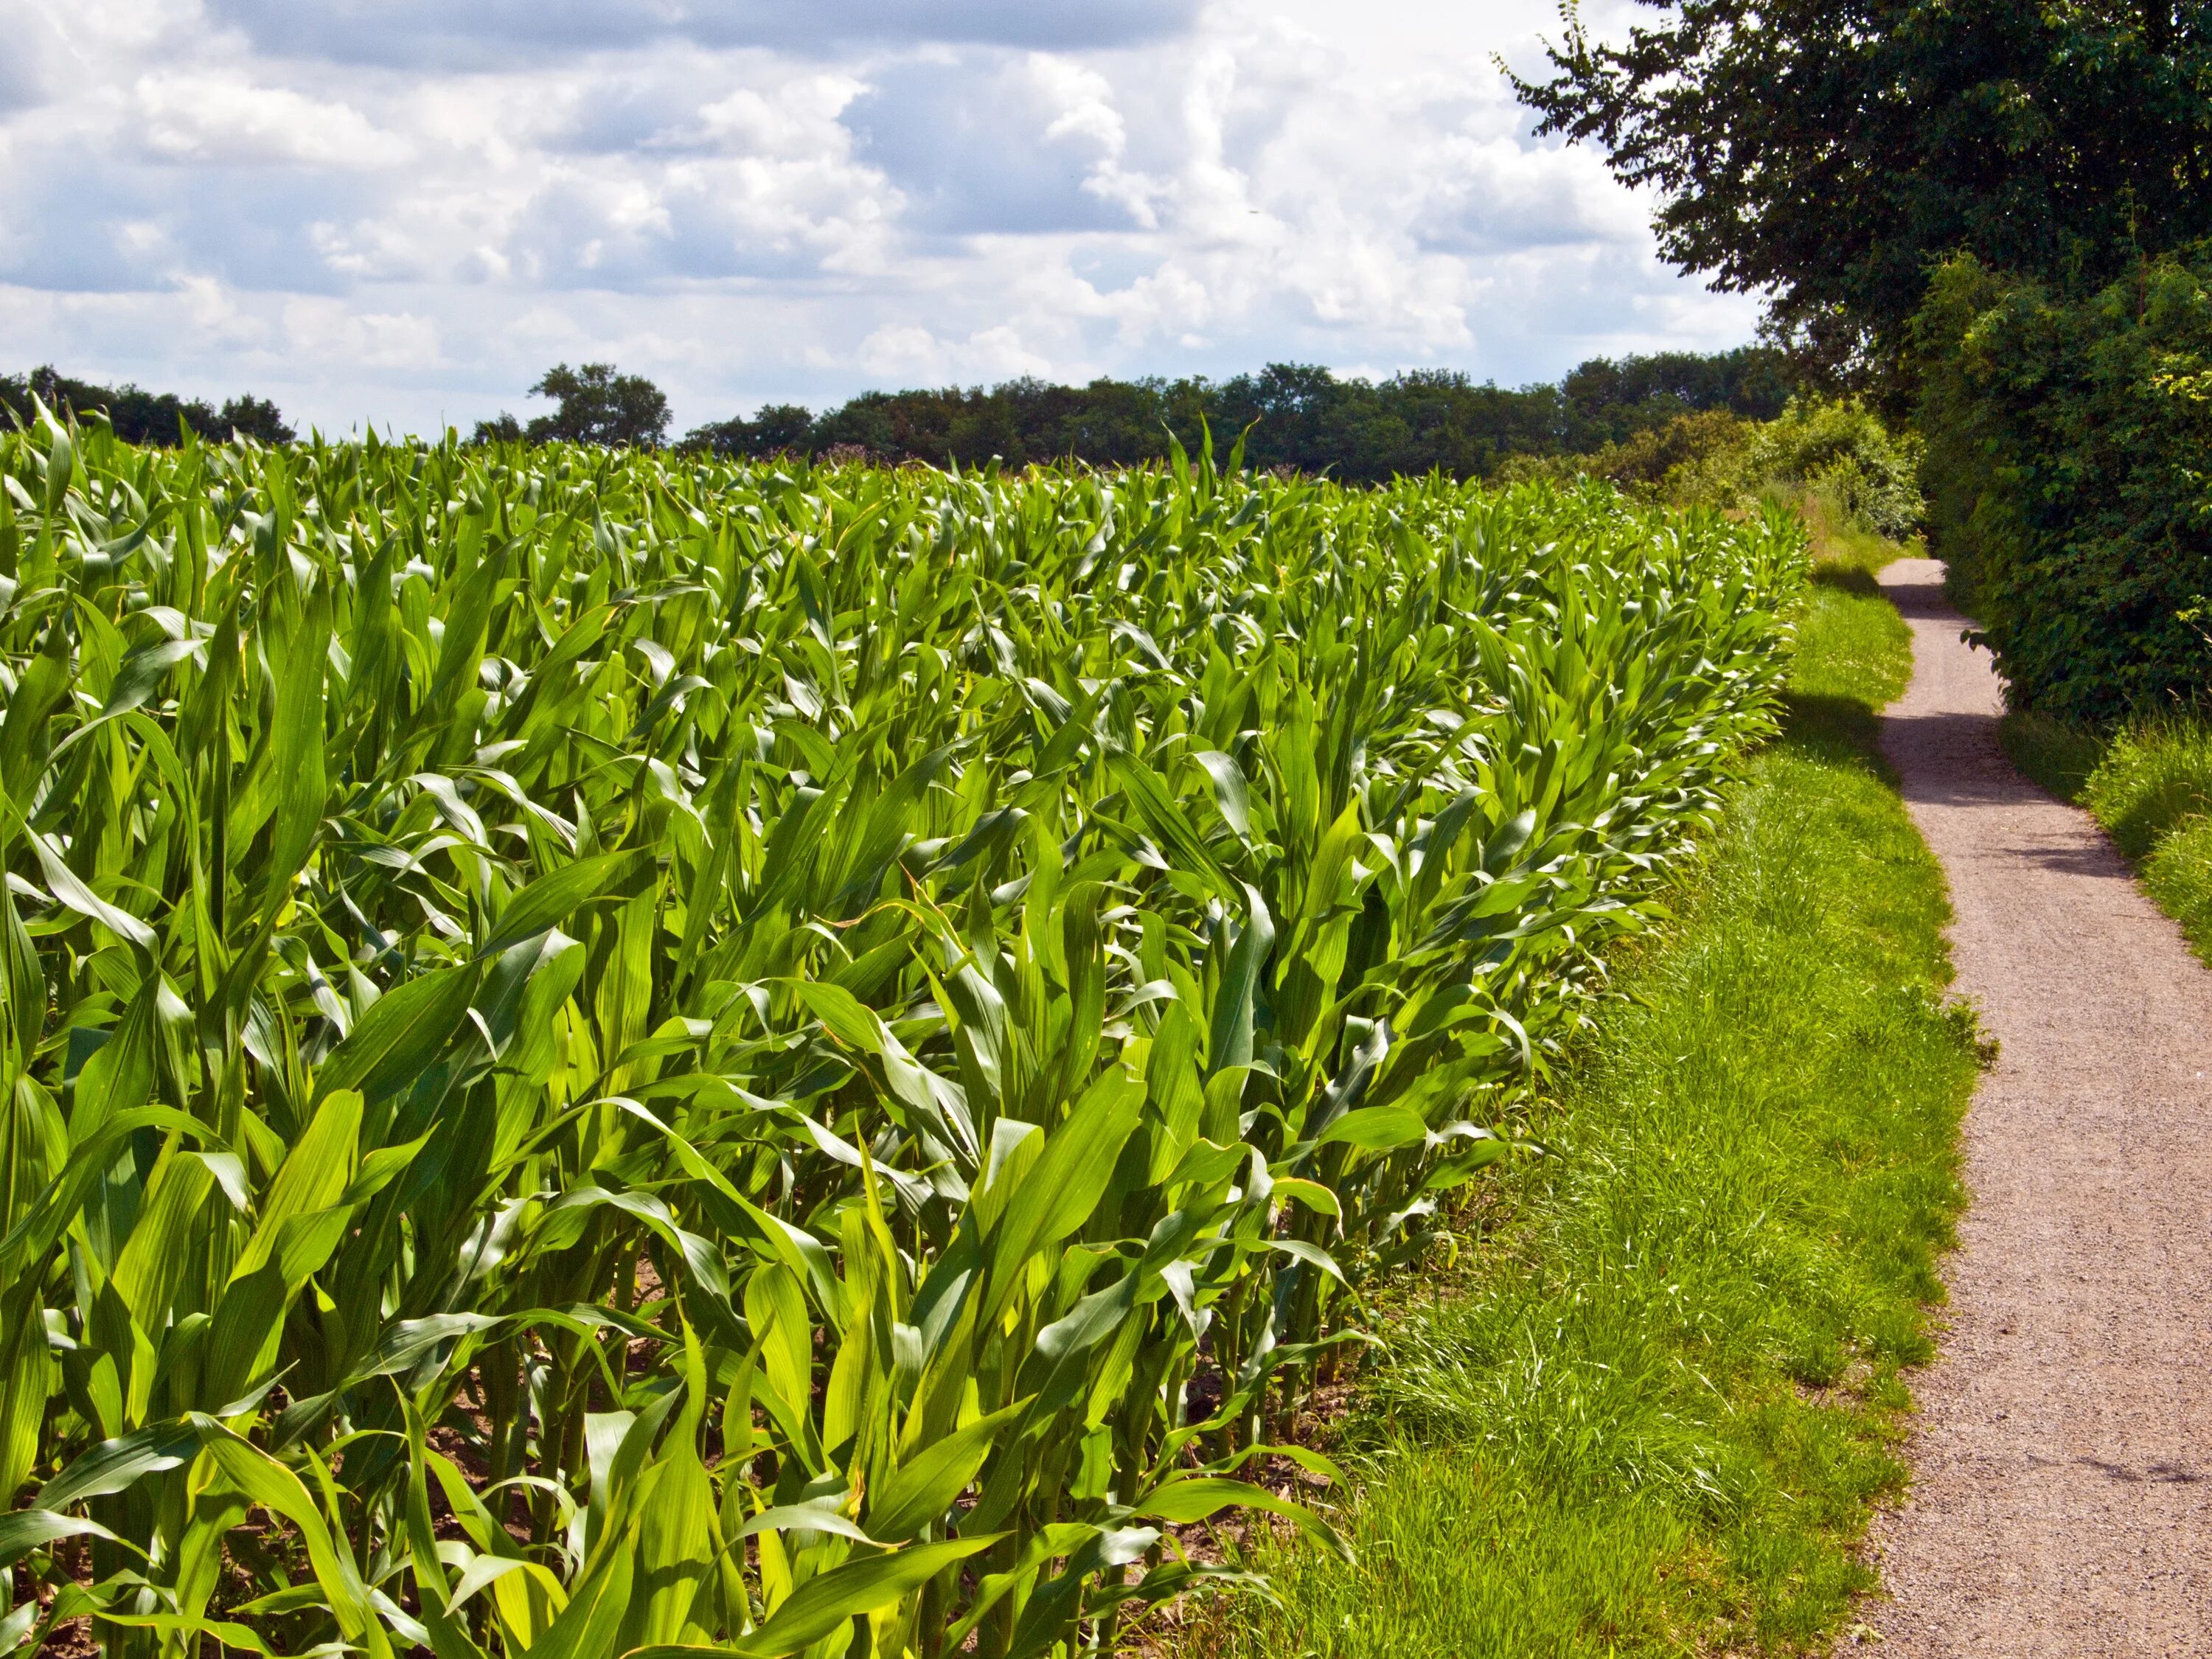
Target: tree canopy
(594,405)
(140,416)
(1296,415)
(1830,154)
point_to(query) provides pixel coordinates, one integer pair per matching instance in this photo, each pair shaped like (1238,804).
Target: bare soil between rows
(2062,1495)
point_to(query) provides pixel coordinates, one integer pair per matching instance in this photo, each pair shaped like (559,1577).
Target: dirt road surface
(2062,1500)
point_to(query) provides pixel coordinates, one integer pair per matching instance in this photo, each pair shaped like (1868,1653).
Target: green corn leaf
(852,1589)
(1236,1006)
(1059,1194)
(1201,1497)
(920,1492)
(551,900)
(71,889)
(22,1531)
(140,676)
(118,1465)
(1377,1129)
(398,1038)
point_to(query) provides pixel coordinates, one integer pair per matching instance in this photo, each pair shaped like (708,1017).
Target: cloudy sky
(400,211)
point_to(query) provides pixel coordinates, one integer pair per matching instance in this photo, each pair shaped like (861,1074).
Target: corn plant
(608,1054)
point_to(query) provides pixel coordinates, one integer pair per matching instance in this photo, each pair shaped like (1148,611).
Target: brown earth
(2062,1499)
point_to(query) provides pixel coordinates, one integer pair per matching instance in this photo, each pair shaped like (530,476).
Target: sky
(400,212)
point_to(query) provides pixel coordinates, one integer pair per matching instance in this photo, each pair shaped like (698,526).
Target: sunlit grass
(2150,784)
(1653,1416)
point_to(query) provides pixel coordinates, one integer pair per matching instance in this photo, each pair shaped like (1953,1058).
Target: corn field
(610,1054)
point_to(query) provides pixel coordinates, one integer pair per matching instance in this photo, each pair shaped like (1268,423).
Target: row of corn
(609,1055)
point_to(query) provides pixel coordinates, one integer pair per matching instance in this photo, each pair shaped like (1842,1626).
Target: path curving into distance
(2061,1498)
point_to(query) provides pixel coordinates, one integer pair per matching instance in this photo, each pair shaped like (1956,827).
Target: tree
(598,406)
(140,416)
(1830,154)
(1608,401)
(1307,418)
(778,430)
(256,418)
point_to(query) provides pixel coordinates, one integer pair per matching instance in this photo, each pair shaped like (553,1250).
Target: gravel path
(2061,1503)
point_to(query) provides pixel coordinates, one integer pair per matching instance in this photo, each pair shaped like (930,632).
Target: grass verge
(2150,786)
(1651,1413)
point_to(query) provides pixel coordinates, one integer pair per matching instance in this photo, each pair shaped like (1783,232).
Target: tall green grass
(606,1055)
(1651,1415)
(2150,784)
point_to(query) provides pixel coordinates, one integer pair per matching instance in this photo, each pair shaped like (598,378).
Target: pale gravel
(2060,1503)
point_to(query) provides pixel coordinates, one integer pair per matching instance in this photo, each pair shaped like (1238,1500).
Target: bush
(1695,459)
(1845,453)
(2069,439)
(1859,474)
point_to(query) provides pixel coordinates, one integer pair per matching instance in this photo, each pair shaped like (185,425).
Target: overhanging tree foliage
(1829,154)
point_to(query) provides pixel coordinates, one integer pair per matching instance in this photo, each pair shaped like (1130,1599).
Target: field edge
(1655,1413)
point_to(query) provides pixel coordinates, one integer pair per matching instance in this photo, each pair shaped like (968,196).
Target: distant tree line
(1298,416)
(141,416)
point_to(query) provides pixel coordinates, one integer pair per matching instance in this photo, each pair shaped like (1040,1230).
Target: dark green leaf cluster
(604,1053)
(2071,478)
(1828,156)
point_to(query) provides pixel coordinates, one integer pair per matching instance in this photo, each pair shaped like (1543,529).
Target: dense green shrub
(2070,441)
(1844,453)
(1839,453)
(1680,460)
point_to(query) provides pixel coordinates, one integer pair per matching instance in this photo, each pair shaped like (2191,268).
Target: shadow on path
(2049,1517)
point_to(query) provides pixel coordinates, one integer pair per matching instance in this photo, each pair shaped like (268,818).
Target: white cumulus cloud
(402,212)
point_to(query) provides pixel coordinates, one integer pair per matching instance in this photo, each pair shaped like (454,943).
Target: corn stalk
(615,1055)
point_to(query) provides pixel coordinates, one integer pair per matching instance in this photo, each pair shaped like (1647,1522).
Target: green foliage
(2155,775)
(2178,875)
(1295,416)
(1837,458)
(1692,460)
(1651,1416)
(1843,453)
(596,406)
(1829,155)
(600,1053)
(2068,440)
(137,416)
